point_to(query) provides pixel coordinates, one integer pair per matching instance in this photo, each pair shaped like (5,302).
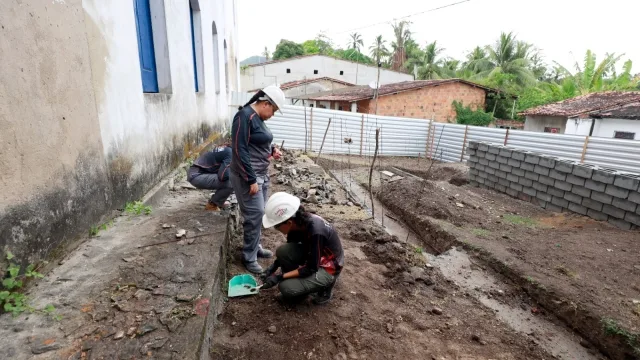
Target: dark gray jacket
(251,144)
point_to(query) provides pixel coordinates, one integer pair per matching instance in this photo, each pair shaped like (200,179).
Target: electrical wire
(402,17)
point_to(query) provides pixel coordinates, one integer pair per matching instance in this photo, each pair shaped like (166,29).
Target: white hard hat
(276,94)
(280,207)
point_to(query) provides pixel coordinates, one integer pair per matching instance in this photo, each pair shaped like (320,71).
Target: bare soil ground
(585,272)
(388,304)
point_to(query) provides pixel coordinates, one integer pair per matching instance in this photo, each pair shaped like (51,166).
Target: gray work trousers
(291,256)
(211,182)
(252,209)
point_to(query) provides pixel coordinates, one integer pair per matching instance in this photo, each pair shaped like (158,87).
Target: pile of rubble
(309,182)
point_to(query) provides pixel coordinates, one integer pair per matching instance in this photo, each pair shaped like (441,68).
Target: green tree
(353,55)
(507,64)
(429,64)
(287,49)
(355,41)
(378,50)
(593,76)
(401,34)
(322,44)
(476,61)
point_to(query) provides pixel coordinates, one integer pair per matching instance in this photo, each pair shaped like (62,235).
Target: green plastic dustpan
(243,285)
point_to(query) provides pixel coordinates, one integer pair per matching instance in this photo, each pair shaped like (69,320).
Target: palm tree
(591,76)
(476,61)
(266,54)
(507,62)
(429,65)
(378,50)
(355,42)
(402,34)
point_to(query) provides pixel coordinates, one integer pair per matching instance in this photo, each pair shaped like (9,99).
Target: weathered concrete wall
(607,127)
(556,184)
(259,76)
(79,137)
(538,123)
(311,88)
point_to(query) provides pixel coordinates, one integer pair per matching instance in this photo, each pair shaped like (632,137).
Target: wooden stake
(306,134)
(375,155)
(324,137)
(584,149)
(311,131)
(506,137)
(464,142)
(361,133)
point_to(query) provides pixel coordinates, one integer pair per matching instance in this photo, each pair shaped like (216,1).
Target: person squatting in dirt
(253,150)
(311,260)
(211,171)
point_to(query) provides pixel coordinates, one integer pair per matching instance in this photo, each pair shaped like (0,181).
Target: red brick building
(425,99)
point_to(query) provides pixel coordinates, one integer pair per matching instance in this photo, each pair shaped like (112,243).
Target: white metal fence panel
(614,153)
(447,142)
(480,133)
(398,136)
(563,146)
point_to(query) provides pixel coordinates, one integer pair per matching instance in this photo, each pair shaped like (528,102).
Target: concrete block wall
(557,184)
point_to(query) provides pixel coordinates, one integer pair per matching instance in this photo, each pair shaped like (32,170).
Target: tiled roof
(327,56)
(584,104)
(296,83)
(512,123)
(363,92)
(630,111)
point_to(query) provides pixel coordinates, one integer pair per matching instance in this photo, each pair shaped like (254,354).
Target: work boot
(265,254)
(323,297)
(253,267)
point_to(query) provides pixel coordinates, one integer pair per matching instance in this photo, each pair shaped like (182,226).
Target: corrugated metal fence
(354,133)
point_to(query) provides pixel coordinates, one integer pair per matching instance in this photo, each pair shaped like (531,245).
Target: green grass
(519,220)
(137,208)
(95,229)
(418,250)
(612,328)
(480,232)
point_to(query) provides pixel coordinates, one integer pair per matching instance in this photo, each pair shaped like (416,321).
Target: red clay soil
(586,272)
(388,304)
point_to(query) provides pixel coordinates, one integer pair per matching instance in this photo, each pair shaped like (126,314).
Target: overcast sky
(563,29)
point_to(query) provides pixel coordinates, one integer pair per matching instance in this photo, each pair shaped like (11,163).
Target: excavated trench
(459,267)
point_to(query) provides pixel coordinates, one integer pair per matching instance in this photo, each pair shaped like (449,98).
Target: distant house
(294,89)
(620,122)
(298,68)
(424,99)
(591,114)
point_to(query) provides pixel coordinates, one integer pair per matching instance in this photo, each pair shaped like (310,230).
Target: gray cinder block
(563,185)
(479,167)
(632,218)
(546,180)
(515,186)
(484,161)
(473,145)
(592,204)
(505,167)
(483,146)
(525,182)
(493,178)
(613,211)
(555,174)
(500,187)
(513,162)
(624,205)
(619,223)
(541,170)
(555,192)
(473,159)
(617,191)
(564,166)
(473,183)
(560,202)
(512,192)
(513,178)
(553,207)
(578,209)
(526,166)
(573,197)
(595,185)
(605,176)
(518,155)
(597,215)
(582,191)
(517,171)
(601,197)
(502,159)
(544,196)
(532,159)
(531,175)
(504,182)
(494,164)
(634,197)
(529,191)
(548,161)
(540,186)
(506,152)
(575,180)
(490,157)
(583,170)
(501,174)
(489,170)
(627,181)
(494,149)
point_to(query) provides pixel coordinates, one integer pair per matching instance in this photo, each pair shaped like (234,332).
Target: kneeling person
(211,171)
(312,258)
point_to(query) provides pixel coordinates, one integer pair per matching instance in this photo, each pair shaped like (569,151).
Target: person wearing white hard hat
(251,143)
(311,260)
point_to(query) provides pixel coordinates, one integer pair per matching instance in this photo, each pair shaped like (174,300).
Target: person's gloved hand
(271,281)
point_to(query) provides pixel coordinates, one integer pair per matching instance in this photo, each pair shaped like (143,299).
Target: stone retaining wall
(557,184)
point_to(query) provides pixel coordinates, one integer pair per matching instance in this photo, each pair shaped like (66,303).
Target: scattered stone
(87,345)
(635,302)
(233,323)
(272,329)
(476,338)
(407,278)
(45,346)
(166,226)
(340,356)
(181,233)
(133,258)
(147,328)
(201,229)
(119,335)
(312,199)
(185,297)
(312,192)
(389,328)
(100,315)
(460,205)
(585,344)
(417,273)
(278,166)
(349,203)
(158,343)
(142,294)
(131,331)
(436,311)
(171,322)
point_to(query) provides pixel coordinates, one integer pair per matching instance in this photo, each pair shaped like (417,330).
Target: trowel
(243,285)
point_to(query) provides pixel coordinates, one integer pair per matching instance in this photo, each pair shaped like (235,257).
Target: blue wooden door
(145,46)
(193,51)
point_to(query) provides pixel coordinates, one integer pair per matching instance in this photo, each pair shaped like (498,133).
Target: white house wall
(578,127)
(607,127)
(255,77)
(311,88)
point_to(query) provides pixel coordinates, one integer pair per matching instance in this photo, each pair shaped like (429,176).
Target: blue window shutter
(193,51)
(145,46)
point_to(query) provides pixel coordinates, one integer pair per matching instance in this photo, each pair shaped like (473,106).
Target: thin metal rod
(323,138)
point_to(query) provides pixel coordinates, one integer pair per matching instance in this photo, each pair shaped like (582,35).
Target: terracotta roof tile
(630,111)
(584,104)
(363,92)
